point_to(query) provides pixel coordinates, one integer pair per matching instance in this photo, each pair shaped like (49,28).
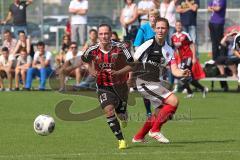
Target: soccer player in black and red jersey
(108,61)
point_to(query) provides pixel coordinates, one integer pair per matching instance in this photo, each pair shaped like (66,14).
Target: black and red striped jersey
(115,59)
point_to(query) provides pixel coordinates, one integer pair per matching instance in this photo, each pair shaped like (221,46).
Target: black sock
(115,127)
(196,84)
(189,90)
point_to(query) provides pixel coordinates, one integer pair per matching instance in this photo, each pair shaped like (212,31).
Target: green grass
(203,129)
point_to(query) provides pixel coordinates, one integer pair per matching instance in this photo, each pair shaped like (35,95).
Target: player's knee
(109,110)
(172,100)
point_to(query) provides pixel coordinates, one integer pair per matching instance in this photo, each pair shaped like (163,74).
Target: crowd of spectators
(21,61)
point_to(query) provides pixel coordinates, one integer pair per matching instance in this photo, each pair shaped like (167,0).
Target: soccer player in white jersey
(154,56)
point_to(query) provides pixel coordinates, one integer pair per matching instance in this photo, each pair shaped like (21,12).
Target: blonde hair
(154,12)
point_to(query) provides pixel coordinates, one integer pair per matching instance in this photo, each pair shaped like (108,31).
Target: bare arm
(122,19)
(179,9)
(17,47)
(178,72)
(28,41)
(193,49)
(29,2)
(8,18)
(193,7)
(236,53)
(135,16)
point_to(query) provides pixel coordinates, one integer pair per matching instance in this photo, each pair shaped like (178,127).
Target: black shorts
(114,95)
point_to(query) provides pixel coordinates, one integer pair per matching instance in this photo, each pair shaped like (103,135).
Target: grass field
(202,129)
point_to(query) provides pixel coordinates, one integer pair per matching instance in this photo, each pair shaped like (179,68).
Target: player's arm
(179,72)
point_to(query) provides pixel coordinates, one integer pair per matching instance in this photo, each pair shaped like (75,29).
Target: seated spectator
(7,65)
(24,62)
(42,67)
(23,42)
(60,58)
(236,51)
(71,67)
(93,39)
(9,42)
(227,58)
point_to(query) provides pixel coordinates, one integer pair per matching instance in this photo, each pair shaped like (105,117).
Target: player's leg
(108,102)
(163,115)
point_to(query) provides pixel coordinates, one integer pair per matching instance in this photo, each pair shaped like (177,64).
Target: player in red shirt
(185,48)
(108,61)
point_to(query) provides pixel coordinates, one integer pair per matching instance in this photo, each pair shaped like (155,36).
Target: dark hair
(161,19)
(117,38)
(105,25)
(126,1)
(7,31)
(23,50)
(5,49)
(21,32)
(73,43)
(93,30)
(41,43)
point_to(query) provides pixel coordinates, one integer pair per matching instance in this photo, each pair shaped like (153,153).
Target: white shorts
(154,91)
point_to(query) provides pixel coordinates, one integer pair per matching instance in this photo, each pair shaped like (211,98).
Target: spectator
(188,16)
(216,24)
(236,51)
(168,11)
(71,66)
(42,67)
(17,12)
(24,62)
(146,31)
(144,7)
(115,37)
(78,10)
(9,42)
(7,65)
(60,58)
(128,19)
(93,39)
(23,43)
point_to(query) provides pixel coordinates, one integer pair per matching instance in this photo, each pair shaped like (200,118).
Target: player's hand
(114,73)
(186,73)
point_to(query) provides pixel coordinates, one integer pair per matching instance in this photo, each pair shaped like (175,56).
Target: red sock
(146,127)
(162,117)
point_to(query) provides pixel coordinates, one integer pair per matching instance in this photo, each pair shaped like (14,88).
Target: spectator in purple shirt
(216,24)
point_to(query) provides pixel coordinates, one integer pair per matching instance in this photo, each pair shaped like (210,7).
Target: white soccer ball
(44,125)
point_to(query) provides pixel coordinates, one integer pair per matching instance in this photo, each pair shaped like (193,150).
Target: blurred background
(47,18)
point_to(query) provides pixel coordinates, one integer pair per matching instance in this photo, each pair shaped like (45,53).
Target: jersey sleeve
(87,56)
(126,53)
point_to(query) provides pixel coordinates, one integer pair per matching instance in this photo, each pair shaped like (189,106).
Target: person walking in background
(216,24)
(17,12)
(78,10)
(188,16)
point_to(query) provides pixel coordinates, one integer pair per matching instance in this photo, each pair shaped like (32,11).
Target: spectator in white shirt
(78,9)
(42,67)
(7,65)
(24,62)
